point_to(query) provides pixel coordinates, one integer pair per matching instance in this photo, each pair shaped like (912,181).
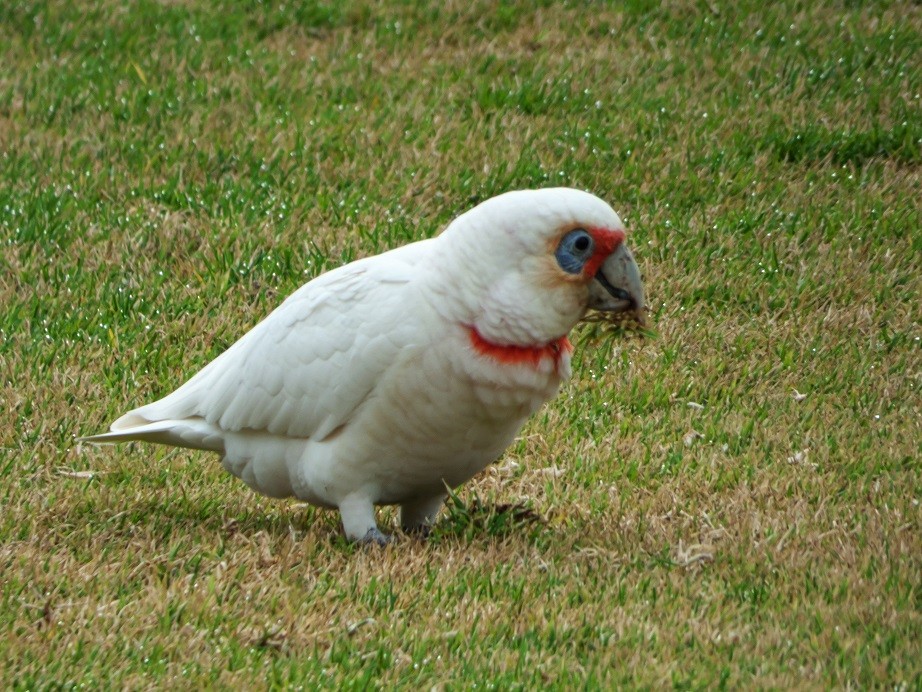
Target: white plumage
(384,380)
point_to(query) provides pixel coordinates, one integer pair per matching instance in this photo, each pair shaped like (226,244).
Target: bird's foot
(417,516)
(420,531)
(376,537)
(358,515)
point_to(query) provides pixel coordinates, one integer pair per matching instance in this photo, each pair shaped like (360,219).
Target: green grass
(170,171)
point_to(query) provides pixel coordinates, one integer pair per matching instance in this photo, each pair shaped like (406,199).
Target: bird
(395,378)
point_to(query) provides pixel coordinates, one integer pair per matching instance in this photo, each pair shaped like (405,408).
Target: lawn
(730,502)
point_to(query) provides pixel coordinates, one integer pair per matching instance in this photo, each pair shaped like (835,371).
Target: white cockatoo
(392,378)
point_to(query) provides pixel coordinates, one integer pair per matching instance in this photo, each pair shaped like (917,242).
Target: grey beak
(617,286)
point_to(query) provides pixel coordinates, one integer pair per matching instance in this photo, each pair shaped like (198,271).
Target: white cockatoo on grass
(392,378)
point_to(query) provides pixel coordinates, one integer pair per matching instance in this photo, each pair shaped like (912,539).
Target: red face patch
(606,242)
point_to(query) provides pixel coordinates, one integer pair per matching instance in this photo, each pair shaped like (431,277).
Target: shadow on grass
(473,520)
(182,516)
(477,520)
(171,502)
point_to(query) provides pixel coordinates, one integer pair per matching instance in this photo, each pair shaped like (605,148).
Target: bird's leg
(358,515)
(417,516)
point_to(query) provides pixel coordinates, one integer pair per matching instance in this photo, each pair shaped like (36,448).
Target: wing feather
(305,369)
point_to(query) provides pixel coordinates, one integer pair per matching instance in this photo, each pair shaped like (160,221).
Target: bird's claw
(376,537)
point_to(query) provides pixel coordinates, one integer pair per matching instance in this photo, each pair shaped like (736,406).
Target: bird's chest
(445,415)
(486,390)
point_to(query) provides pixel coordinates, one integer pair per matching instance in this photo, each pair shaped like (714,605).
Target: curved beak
(616,286)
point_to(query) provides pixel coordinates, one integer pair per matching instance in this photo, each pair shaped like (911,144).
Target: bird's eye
(575,248)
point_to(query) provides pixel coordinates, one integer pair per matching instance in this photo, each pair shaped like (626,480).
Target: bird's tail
(260,459)
(194,433)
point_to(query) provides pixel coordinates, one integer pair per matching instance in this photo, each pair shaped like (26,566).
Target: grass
(734,503)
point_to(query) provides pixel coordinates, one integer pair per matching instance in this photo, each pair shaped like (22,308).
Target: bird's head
(524,267)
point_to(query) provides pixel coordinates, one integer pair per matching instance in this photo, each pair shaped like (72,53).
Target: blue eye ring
(575,248)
